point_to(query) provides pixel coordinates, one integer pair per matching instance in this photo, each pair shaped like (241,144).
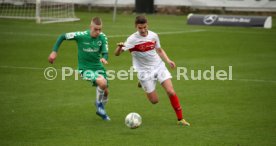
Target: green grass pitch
(35,111)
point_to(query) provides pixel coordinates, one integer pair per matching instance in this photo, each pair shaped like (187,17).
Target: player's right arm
(53,54)
(119,49)
(61,38)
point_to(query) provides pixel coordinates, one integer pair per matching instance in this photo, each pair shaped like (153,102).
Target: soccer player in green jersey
(92,54)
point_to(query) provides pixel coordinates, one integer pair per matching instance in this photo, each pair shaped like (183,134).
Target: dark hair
(97,20)
(141,20)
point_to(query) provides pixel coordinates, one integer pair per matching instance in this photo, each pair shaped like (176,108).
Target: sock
(99,94)
(105,99)
(176,106)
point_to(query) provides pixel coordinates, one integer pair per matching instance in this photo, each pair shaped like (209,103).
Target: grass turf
(35,111)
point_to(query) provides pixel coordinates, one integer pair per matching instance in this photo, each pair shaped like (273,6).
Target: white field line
(40,68)
(22,67)
(256,80)
(126,35)
(243,32)
(161,33)
(109,36)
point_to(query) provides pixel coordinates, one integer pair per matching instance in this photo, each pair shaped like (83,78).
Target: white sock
(99,94)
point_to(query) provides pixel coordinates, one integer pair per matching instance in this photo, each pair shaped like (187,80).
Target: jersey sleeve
(104,46)
(157,44)
(71,36)
(60,39)
(67,36)
(128,44)
(74,35)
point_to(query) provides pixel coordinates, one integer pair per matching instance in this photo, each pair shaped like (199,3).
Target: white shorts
(148,78)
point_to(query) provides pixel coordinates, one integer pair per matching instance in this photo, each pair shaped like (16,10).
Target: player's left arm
(162,53)
(104,50)
(165,57)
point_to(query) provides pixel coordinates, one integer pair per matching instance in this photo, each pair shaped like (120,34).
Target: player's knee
(155,101)
(101,82)
(170,92)
(152,96)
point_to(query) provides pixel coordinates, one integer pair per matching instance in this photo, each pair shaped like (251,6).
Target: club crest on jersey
(99,43)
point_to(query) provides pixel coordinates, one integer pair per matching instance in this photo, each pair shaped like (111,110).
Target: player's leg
(101,88)
(105,97)
(152,96)
(101,96)
(96,80)
(164,77)
(167,85)
(103,84)
(149,88)
(148,85)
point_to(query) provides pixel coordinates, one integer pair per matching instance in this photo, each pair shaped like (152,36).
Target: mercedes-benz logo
(210,19)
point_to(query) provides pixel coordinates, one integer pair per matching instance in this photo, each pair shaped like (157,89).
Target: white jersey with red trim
(142,49)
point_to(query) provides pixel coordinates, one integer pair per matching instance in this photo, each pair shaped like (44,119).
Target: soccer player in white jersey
(146,51)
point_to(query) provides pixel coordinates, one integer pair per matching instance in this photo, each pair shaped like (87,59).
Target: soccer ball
(133,120)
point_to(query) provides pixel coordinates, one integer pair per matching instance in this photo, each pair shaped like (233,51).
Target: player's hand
(103,61)
(52,57)
(172,64)
(119,50)
(121,44)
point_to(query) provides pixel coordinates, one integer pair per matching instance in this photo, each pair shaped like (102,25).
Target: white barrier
(263,5)
(252,5)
